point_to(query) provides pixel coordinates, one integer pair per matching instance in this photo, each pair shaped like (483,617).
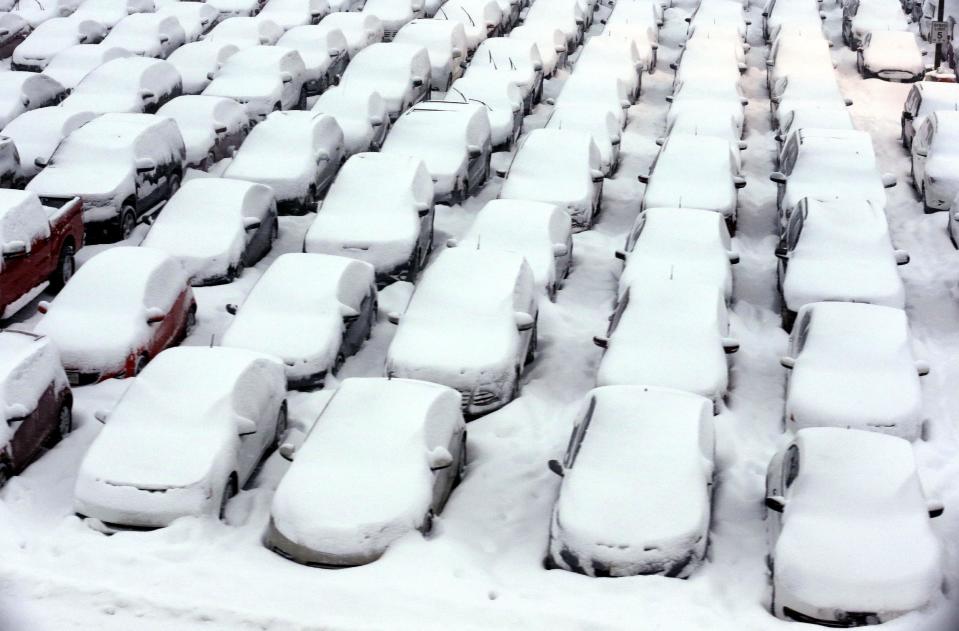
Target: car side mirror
(43,306)
(733,257)
(643,178)
(936,509)
(550,101)
(556,467)
(902,257)
(596,175)
(782,252)
(40,162)
(742,145)
(730,345)
(287,451)
(210,75)
(660,141)
(620,254)
(739,181)
(537,66)
(101,415)
(778,177)
(155,315)
(322,156)
(848,102)
(452,243)
(457,53)
(251,223)
(376,121)
(560,48)
(474,151)
(14,249)
(922,367)
(231,308)
(164,38)
(220,129)
(787,362)
(560,249)
(601,341)
(669,98)
(349,313)
(147,94)
(334,52)
(417,82)
(393,317)
(524,321)
(245,427)
(924,52)
(145,165)
(888,180)
(440,458)
(907,116)
(286,77)
(776,503)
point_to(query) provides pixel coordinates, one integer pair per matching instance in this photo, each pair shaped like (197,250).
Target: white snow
(38,132)
(72,64)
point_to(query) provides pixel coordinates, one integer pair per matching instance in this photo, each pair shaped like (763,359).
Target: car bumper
(279,543)
(121,507)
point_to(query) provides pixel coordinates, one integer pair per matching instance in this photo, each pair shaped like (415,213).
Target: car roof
(379,182)
(886,328)
(482,280)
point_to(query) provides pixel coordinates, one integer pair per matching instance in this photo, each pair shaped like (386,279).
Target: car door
(781,474)
(148,176)
(910,110)
(356,328)
(920,150)
(578,434)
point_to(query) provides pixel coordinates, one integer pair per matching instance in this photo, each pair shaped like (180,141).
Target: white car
(313,331)
(458,154)
(850,541)
(288,14)
(406,442)
(159,458)
(780,14)
(541,232)
(480,18)
(517,58)
(128,84)
(263,79)
(445,41)
(244,32)
(323,52)
(637,484)
(196,18)
(215,227)
(935,159)
(110,12)
(296,153)
(213,127)
(197,62)
(379,210)
(550,42)
(22,91)
(681,243)
(147,34)
(892,56)
(36,13)
(470,325)
(503,101)
(838,250)
(614,55)
(860,17)
(399,72)
(393,14)
(359,29)
(37,133)
(360,113)
(560,167)
(925,97)
(710,164)
(52,37)
(566,18)
(596,121)
(852,365)
(70,66)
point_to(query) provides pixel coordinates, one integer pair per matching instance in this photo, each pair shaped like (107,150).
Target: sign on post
(938,32)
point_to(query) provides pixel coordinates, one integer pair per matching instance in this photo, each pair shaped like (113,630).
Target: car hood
(879,58)
(90,182)
(821,276)
(288,336)
(252,86)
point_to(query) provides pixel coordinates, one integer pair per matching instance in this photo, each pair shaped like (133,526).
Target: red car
(122,308)
(37,244)
(35,400)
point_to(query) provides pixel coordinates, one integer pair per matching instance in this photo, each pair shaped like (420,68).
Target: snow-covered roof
(72,64)
(451,127)
(22,218)
(552,165)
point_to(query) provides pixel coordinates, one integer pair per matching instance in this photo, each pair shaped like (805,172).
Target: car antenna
(212,339)
(457,90)
(495,67)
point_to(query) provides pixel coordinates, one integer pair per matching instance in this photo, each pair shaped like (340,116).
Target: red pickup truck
(37,244)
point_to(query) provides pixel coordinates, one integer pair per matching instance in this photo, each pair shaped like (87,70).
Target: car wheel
(274,231)
(5,475)
(428,522)
(229,491)
(210,160)
(128,223)
(64,426)
(65,268)
(173,184)
(282,423)
(140,365)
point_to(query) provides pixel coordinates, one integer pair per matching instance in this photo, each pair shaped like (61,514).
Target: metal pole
(941,18)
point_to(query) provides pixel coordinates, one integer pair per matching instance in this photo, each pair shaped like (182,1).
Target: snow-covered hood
(92,182)
(206,251)
(94,340)
(669,188)
(100,103)
(384,240)
(249,86)
(289,336)
(879,58)
(845,276)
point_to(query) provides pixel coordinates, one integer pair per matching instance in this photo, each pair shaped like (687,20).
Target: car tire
(173,184)
(230,489)
(926,208)
(142,361)
(66,266)
(64,425)
(788,317)
(127,222)
(282,424)
(5,475)
(210,160)
(428,522)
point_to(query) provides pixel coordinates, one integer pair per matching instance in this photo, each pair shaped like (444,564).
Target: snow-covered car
(599,123)
(214,227)
(597,90)
(379,210)
(712,74)
(707,118)
(616,56)
(792,55)
(779,14)
(838,250)
(127,84)
(503,101)
(159,458)
(567,19)
(924,98)
(517,58)
(229,9)
(110,12)
(637,484)
(719,12)
(323,52)
(71,65)
(291,13)
(480,18)
(213,127)
(542,233)
(52,37)
(393,14)
(337,6)
(331,510)
(470,325)
(359,29)
(197,62)
(669,332)
(818,90)
(561,167)
(360,113)
(399,72)
(445,41)
(715,165)
(313,331)
(852,365)
(860,17)
(828,164)
(122,166)
(13,30)
(244,32)
(143,304)
(22,91)
(37,133)
(458,153)
(263,79)
(296,153)
(850,541)
(821,115)
(196,18)
(36,405)
(550,42)
(147,34)
(935,158)
(688,244)
(892,56)
(38,12)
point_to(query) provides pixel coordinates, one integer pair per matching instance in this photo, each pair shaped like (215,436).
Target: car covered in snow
(561,167)
(143,304)
(599,123)
(614,56)
(359,29)
(413,431)
(445,41)
(214,227)
(399,72)
(147,34)
(263,79)
(36,13)
(517,58)
(852,365)
(838,250)
(566,16)
(480,18)
(37,133)
(22,91)
(128,84)
(314,331)
(379,210)
(13,30)
(361,114)
(637,484)
(122,166)
(550,42)
(195,18)
(213,127)
(850,541)
(36,405)
(52,37)
(288,14)
(935,159)
(197,63)
(393,14)
(295,153)
(597,90)
(72,64)
(924,98)
(37,246)
(159,458)
(892,56)
(541,232)
(229,9)
(669,332)
(470,325)
(323,52)
(244,32)
(860,17)
(458,153)
(503,101)
(110,12)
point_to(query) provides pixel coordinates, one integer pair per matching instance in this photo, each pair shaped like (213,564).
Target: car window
(637,230)
(579,433)
(618,312)
(790,466)
(790,154)
(802,332)
(794,229)
(912,101)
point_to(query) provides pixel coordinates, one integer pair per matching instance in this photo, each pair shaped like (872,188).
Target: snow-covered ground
(481,568)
